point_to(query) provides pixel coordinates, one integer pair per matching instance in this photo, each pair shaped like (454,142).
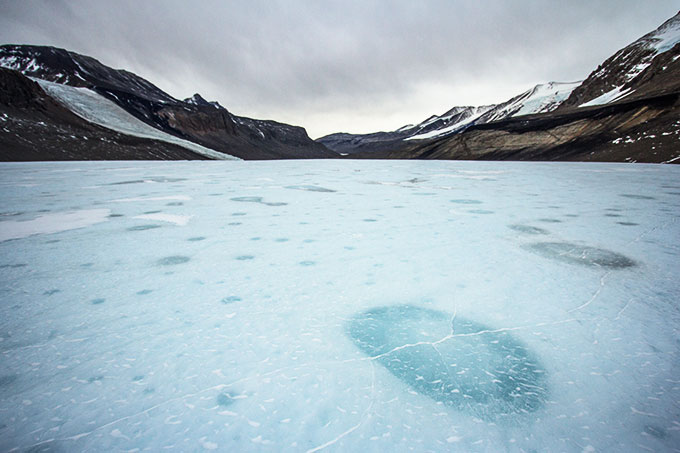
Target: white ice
(51,223)
(98,110)
(610,96)
(342,306)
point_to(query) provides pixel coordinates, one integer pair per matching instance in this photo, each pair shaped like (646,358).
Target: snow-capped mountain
(541,98)
(205,123)
(352,143)
(628,110)
(37,126)
(614,78)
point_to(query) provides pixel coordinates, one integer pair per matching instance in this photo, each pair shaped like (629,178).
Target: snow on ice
(340,306)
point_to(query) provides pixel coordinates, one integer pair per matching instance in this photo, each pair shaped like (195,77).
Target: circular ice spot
(281,240)
(636,196)
(230,299)
(310,188)
(546,220)
(196,238)
(97,301)
(458,362)
(143,227)
(225,399)
(656,431)
(480,211)
(245,257)
(172,260)
(307,263)
(628,223)
(580,254)
(527,229)
(144,292)
(466,201)
(247,199)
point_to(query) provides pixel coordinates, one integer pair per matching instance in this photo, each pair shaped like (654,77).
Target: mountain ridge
(212,126)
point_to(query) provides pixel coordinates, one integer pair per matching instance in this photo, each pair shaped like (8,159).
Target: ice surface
(426,306)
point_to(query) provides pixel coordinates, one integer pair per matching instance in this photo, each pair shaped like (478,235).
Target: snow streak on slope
(545,97)
(541,98)
(610,96)
(631,61)
(474,113)
(370,306)
(103,112)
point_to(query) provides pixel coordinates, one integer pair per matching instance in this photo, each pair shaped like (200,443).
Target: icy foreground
(339,305)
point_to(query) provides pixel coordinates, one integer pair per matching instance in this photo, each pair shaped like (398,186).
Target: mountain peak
(200,101)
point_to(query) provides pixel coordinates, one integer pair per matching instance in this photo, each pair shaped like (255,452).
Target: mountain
(197,120)
(34,126)
(541,98)
(627,110)
(354,143)
(619,75)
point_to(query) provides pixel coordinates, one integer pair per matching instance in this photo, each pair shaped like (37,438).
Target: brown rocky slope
(34,127)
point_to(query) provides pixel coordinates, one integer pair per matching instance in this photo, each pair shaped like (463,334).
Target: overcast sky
(332,66)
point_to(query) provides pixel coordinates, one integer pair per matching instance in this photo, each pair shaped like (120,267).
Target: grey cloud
(302,61)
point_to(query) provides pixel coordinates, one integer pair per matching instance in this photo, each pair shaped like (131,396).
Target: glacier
(339,306)
(95,108)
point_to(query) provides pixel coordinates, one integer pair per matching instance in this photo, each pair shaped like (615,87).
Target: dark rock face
(642,130)
(206,123)
(34,127)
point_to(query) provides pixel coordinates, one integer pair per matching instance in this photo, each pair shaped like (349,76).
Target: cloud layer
(330,66)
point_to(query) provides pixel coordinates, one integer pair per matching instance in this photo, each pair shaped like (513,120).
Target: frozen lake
(339,306)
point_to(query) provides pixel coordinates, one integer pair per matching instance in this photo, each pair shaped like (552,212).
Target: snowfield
(339,306)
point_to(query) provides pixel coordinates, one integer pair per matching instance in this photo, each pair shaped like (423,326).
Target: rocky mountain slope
(33,126)
(379,141)
(541,98)
(618,76)
(627,110)
(207,124)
